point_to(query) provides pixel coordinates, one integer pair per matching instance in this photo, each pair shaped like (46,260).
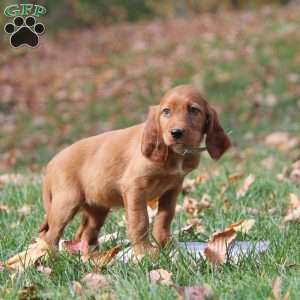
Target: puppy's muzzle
(177,133)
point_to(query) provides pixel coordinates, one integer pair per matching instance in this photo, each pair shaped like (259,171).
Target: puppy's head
(182,119)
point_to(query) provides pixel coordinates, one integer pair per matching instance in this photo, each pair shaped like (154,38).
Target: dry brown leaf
(242,226)
(25,210)
(226,204)
(29,257)
(28,292)
(295,172)
(18,179)
(107,237)
(282,140)
(101,259)
(218,244)
(161,276)
(4,208)
(268,163)
(277,290)
(194,225)
(193,207)
(246,185)
(45,270)
(235,177)
(95,281)
(78,288)
(293,213)
(2,268)
(189,185)
(197,292)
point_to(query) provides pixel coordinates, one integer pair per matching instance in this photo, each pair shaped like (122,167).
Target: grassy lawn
(249,69)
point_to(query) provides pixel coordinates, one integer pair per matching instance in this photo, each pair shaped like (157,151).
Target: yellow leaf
(293,213)
(243,226)
(29,257)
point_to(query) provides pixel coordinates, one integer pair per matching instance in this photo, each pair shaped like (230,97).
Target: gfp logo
(24,29)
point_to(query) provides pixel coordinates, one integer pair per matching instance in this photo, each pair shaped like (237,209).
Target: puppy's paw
(162,238)
(145,249)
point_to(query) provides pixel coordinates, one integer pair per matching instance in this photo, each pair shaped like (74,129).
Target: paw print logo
(24,32)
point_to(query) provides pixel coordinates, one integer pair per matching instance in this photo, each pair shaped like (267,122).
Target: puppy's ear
(217,141)
(153,145)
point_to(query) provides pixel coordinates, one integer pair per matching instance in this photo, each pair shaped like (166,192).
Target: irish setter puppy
(127,167)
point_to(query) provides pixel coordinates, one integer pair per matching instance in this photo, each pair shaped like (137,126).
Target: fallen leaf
(45,270)
(193,206)
(277,290)
(243,226)
(218,244)
(235,177)
(95,281)
(295,172)
(268,163)
(28,292)
(226,204)
(4,208)
(29,257)
(189,185)
(293,213)
(78,288)
(282,140)
(18,179)
(197,292)
(246,185)
(24,210)
(101,259)
(194,225)
(108,237)
(160,276)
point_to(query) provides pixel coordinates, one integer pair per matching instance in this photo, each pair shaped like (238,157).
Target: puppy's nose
(177,133)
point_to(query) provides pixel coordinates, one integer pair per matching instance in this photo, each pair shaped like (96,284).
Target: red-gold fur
(127,167)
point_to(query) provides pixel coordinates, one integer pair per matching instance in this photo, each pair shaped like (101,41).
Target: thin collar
(185,151)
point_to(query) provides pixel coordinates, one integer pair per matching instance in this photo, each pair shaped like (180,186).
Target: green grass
(275,55)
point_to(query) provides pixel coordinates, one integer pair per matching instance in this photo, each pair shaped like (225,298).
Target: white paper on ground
(236,250)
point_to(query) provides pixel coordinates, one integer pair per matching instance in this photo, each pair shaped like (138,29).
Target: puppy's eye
(166,111)
(193,110)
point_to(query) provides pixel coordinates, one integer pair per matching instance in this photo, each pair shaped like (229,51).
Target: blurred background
(100,64)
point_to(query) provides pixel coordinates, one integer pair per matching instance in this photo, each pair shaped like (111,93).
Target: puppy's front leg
(165,214)
(138,223)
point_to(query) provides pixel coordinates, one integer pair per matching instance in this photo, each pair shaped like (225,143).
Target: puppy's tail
(47,205)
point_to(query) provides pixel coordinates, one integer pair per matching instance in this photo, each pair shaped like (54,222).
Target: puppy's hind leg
(93,218)
(64,206)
